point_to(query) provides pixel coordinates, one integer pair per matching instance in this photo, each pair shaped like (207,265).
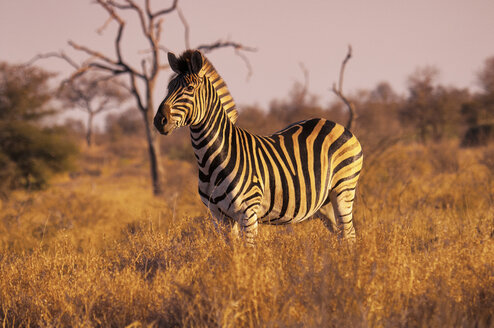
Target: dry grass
(98,250)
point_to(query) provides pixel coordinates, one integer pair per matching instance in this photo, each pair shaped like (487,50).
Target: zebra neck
(212,140)
(224,95)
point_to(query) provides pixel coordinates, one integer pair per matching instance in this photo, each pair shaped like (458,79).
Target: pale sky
(390,38)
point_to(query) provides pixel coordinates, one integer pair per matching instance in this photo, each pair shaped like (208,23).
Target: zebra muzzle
(163,125)
(160,122)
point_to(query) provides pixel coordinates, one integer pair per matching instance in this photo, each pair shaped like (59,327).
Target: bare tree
(300,90)
(485,77)
(141,80)
(93,95)
(430,109)
(339,90)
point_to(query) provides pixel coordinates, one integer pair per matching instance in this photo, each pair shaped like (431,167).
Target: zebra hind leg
(342,201)
(326,214)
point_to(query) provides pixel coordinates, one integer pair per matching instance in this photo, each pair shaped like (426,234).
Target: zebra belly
(296,165)
(293,200)
(228,211)
(285,212)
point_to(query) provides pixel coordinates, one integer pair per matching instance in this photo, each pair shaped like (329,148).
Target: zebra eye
(190,88)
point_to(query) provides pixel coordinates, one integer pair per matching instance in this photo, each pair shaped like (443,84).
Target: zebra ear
(173,61)
(196,62)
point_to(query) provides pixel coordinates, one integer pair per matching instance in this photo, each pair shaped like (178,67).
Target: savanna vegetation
(29,152)
(91,245)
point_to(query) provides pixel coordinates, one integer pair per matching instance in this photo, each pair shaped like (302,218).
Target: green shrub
(29,152)
(32,154)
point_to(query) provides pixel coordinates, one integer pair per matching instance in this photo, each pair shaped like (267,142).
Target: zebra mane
(187,64)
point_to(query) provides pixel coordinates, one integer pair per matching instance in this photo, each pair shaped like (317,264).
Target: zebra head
(181,106)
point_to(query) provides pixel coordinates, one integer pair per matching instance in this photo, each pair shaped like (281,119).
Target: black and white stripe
(309,168)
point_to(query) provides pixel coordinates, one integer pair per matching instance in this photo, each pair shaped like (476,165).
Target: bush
(31,155)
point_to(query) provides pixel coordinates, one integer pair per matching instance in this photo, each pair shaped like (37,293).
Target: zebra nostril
(159,121)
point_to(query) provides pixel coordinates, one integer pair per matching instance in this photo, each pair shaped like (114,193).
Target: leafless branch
(342,69)
(87,67)
(144,67)
(186,28)
(339,90)
(166,11)
(159,28)
(247,63)
(238,47)
(140,13)
(118,5)
(137,95)
(109,69)
(150,28)
(92,53)
(103,27)
(60,55)
(148,9)
(121,24)
(223,44)
(117,67)
(305,71)
(80,69)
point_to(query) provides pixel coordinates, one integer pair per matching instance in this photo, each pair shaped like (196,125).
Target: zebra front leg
(342,202)
(249,225)
(225,226)
(248,221)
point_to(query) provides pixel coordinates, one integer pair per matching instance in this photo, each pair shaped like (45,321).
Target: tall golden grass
(98,250)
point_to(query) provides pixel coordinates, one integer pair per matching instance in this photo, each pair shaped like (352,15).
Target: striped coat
(309,168)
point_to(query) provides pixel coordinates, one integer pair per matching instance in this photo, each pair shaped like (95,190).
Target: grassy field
(96,249)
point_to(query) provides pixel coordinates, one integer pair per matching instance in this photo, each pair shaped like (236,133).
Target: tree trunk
(89,129)
(154,158)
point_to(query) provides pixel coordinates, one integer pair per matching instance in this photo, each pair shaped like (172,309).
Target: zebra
(309,169)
